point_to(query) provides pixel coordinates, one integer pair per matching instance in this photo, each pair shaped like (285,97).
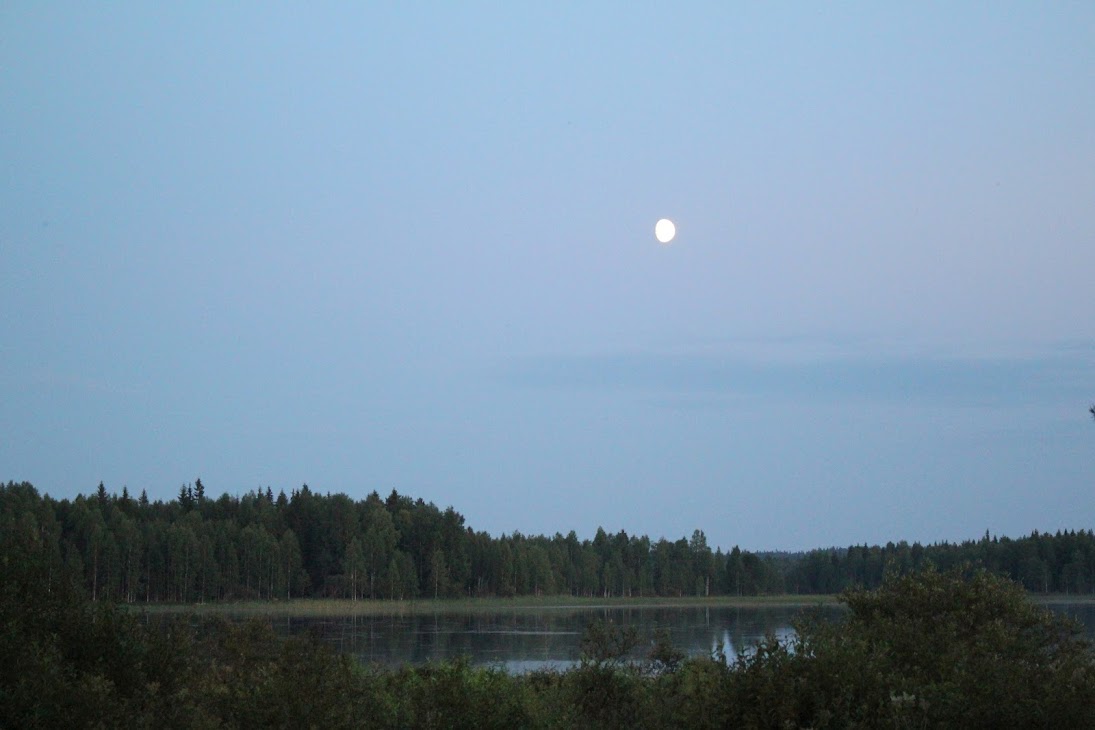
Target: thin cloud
(1058,375)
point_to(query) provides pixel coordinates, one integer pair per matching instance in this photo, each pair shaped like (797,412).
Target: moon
(664,230)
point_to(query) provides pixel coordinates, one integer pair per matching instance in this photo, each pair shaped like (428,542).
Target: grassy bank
(344,607)
(1074,598)
(335,607)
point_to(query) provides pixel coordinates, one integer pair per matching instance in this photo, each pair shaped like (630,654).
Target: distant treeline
(262,546)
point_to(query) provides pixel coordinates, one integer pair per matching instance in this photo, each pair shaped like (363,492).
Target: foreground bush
(925,650)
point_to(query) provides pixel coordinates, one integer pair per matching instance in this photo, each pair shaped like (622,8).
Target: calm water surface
(525,639)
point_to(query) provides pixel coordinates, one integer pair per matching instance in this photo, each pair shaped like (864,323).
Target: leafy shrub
(957,649)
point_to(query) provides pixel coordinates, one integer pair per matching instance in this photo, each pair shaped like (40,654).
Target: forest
(259,546)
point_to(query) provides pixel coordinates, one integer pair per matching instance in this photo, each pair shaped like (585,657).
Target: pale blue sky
(412,247)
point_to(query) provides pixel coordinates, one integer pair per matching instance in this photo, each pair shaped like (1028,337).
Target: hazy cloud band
(1067,373)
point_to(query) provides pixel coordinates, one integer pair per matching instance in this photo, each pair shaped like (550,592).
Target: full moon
(664,230)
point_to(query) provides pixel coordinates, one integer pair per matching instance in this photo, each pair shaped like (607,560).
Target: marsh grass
(315,608)
(1085,599)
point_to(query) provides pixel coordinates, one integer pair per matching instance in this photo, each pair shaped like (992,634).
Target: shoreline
(337,607)
(345,607)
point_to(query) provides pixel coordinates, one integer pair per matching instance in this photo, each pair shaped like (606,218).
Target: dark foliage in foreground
(953,649)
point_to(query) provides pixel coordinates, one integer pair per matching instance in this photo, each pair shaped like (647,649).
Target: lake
(525,639)
(530,638)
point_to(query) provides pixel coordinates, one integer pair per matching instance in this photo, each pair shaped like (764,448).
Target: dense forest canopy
(305,544)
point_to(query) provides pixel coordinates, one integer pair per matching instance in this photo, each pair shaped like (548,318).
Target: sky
(411,246)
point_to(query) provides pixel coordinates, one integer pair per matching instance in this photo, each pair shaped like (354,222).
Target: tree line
(306,544)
